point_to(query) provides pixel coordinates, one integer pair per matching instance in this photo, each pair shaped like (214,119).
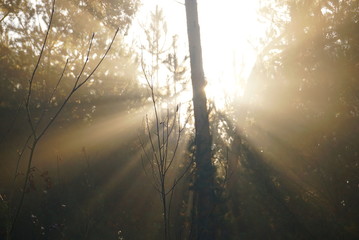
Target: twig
(6,14)
(34,135)
(29,118)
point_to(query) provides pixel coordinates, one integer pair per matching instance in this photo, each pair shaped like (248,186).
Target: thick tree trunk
(204,204)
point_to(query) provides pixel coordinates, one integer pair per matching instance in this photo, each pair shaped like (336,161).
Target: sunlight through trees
(179,119)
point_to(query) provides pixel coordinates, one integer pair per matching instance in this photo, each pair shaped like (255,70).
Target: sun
(223,93)
(230,33)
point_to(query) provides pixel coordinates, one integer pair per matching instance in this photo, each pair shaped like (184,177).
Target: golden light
(230,36)
(230,33)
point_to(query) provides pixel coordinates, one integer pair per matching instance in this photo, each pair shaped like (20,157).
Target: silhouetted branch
(86,61)
(29,118)
(51,96)
(6,14)
(34,129)
(163,153)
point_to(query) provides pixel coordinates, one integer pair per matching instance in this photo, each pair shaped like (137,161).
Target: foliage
(304,112)
(73,25)
(286,157)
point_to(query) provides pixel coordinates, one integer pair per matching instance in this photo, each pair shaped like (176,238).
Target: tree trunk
(204,204)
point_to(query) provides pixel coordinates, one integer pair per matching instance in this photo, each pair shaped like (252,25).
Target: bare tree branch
(35,134)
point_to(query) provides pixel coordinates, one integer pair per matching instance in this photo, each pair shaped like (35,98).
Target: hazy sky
(229,34)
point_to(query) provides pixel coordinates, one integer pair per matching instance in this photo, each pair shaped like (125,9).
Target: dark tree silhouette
(204,202)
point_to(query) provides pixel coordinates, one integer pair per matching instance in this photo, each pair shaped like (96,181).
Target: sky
(230,33)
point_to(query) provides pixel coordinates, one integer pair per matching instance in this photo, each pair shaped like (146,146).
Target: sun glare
(229,42)
(230,33)
(222,93)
